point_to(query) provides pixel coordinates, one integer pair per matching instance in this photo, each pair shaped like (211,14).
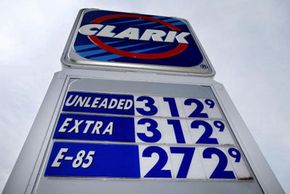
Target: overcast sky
(247,41)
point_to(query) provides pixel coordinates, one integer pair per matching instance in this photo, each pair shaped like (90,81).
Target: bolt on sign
(110,124)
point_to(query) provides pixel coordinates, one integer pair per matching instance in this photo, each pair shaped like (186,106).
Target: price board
(143,136)
(124,134)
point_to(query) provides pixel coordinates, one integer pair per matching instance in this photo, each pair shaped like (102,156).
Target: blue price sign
(141,129)
(145,161)
(140,105)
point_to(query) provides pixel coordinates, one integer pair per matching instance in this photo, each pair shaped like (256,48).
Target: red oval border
(98,42)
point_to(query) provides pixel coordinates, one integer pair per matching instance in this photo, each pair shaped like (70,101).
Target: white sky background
(247,41)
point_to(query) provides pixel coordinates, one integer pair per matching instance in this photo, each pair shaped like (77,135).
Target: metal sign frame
(27,168)
(70,59)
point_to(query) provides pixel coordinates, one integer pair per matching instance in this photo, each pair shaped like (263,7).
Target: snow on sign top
(114,39)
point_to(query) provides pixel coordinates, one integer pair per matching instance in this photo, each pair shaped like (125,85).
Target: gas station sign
(114,39)
(135,110)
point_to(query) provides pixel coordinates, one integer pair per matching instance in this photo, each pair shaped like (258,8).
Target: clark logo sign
(135,38)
